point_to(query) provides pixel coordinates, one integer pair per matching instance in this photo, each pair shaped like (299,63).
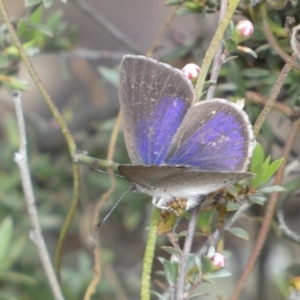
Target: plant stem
(149,255)
(211,51)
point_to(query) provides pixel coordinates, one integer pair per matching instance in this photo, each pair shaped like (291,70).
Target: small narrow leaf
(171,271)
(272,189)
(47,3)
(257,157)
(159,296)
(204,221)
(32,2)
(219,274)
(260,171)
(272,168)
(173,2)
(171,250)
(258,198)
(6,230)
(111,75)
(206,264)
(232,206)
(239,232)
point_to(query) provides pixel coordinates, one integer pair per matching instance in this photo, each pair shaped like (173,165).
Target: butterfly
(179,149)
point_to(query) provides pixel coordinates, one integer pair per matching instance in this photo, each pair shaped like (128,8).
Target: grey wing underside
(180,181)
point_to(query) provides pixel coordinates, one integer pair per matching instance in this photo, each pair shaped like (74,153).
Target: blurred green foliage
(21,274)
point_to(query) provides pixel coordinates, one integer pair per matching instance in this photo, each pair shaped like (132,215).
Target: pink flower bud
(244,29)
(191,71)
(218,260)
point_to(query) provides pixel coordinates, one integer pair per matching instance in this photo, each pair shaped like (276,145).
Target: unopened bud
(218,260)
(243,30)
(191,71)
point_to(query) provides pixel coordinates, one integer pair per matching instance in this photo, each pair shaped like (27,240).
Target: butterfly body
(179,149)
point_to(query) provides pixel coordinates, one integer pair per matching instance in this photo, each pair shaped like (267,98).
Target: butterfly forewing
(154,99)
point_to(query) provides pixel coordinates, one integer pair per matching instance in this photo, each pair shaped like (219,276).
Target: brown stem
(272,98)
(260,99)
(271,39)
(269,213)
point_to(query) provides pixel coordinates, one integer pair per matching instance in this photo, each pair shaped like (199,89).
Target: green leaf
(171,250)
(42,28)
(272,168)
(257,198)
(173,2)
(239,232)
(47,3)
(194,260)
(206,264)
(159,296)
(230,30)
(17,278)
(182,11)
(247,51)
(232,206)
(219,274)
(170,269)
(257,157)
(204,221)
(291,184)
(111,75)
(197,295)
(272,189)
(260,171)
(255,73)
(32,2)
(6,230)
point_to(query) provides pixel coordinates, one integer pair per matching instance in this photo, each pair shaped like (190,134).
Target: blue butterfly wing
(215,135)
(154,99)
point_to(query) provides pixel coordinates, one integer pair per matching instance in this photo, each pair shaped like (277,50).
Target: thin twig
(62,125)
(262,235)
(270,37)
(97,268)
(273,96)
(285,230)
(87,54)
(184,256)
(162,31)
(21,159)
(217,63)
(211,51)
(110,28)
(260,99)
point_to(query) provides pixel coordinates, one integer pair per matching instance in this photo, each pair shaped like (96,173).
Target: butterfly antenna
(105,172)
(113,208)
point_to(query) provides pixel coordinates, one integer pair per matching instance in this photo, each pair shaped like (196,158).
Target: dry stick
(87,54)
(285,231)
(270,37)
(278,178)
(61,123)
(110,28)
(97,257)
(21,159)
(162,31)
(211,51)
(260,99)
(184,255)
(272,98)
(217,63)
